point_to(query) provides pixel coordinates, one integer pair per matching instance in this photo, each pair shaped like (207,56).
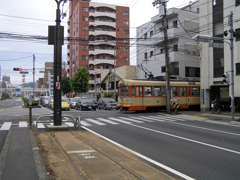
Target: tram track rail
(108,157)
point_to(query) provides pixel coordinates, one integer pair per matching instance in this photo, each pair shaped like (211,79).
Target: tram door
(183,97)
(139,97)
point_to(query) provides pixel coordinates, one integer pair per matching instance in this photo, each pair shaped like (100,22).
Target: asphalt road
(190,147)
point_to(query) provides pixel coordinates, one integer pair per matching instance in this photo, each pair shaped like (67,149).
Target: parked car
(44,100)
(65,104)
(94,100)
(86,103)
(73,102)
(107,104)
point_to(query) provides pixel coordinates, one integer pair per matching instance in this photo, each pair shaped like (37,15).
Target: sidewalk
(20,157)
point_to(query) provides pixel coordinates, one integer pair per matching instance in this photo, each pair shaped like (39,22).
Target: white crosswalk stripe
(94,121)
(129,119)
(108,121)
(6,126)
(23,124)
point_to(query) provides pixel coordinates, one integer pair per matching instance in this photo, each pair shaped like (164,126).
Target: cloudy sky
(32,17)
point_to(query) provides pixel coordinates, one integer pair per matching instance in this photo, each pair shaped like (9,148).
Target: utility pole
(55,37)
(164,2)
(33,76)
(232,68)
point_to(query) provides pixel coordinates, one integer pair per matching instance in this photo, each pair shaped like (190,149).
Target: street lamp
(208,38)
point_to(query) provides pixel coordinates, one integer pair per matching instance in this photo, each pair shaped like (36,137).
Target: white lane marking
(144,157)
(22,123)
(205,128)
(107,121)
(186,139)
(85,124)
(94,121)
(142,119)
(6,126)
(122,121)
(129,119)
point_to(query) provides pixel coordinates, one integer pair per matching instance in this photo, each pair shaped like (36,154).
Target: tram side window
(133,91)
(122,91)
(147,91)
(164,91)
(140,90)
(127,91)
(157,91)
(182,91)
(195,91)
(175,91)
(189,91)
(137,91)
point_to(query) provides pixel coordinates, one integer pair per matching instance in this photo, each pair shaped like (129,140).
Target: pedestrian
(176,106)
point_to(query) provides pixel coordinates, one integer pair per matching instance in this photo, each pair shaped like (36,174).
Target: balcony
(103,32)
(101,61)
(97,71)
(98,13)
(158,38)
(98,81)
(102,51)
(102,23)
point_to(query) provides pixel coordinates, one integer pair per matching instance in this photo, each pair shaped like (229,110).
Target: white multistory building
(182,24)
(215,56)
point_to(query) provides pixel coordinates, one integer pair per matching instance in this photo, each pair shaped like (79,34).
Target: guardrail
(76,122)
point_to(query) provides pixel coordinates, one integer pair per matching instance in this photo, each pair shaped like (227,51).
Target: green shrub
(109,95)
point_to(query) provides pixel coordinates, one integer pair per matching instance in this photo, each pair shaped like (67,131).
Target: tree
(80,82)
(66,86)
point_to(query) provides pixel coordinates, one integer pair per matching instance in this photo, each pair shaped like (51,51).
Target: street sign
(42,71)
(17,89)
(23,72)
(57,85)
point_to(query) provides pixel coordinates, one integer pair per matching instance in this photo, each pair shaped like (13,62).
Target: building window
(175,24)
(77,48)
(126,23)
(126,40)
(84,48)
(85,18)
(192,72)
(151,53)
(84,57)
(237,2)
(237,68)
(145,56)
(126,59)
(85,9)
(175,47)
(126,49)
(163,69)
(162,50)
(77,29)
(125,13)
(151,34)
(85,28)
(237,34)
(126,31)
(84,38)
(145,36)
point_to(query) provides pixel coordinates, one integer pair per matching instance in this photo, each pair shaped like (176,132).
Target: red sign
(57,85)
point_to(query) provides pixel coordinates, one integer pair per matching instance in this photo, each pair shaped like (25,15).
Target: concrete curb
(4,152)
(235,123)
(42,173)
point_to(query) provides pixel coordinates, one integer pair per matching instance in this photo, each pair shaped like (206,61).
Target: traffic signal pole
(58,41)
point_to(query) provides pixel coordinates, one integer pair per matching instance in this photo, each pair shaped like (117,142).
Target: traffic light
(226,78)
(17,69)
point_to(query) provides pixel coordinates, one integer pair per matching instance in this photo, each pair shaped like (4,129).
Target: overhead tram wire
(16,59)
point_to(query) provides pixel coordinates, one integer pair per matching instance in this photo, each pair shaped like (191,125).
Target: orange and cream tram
(145,95)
